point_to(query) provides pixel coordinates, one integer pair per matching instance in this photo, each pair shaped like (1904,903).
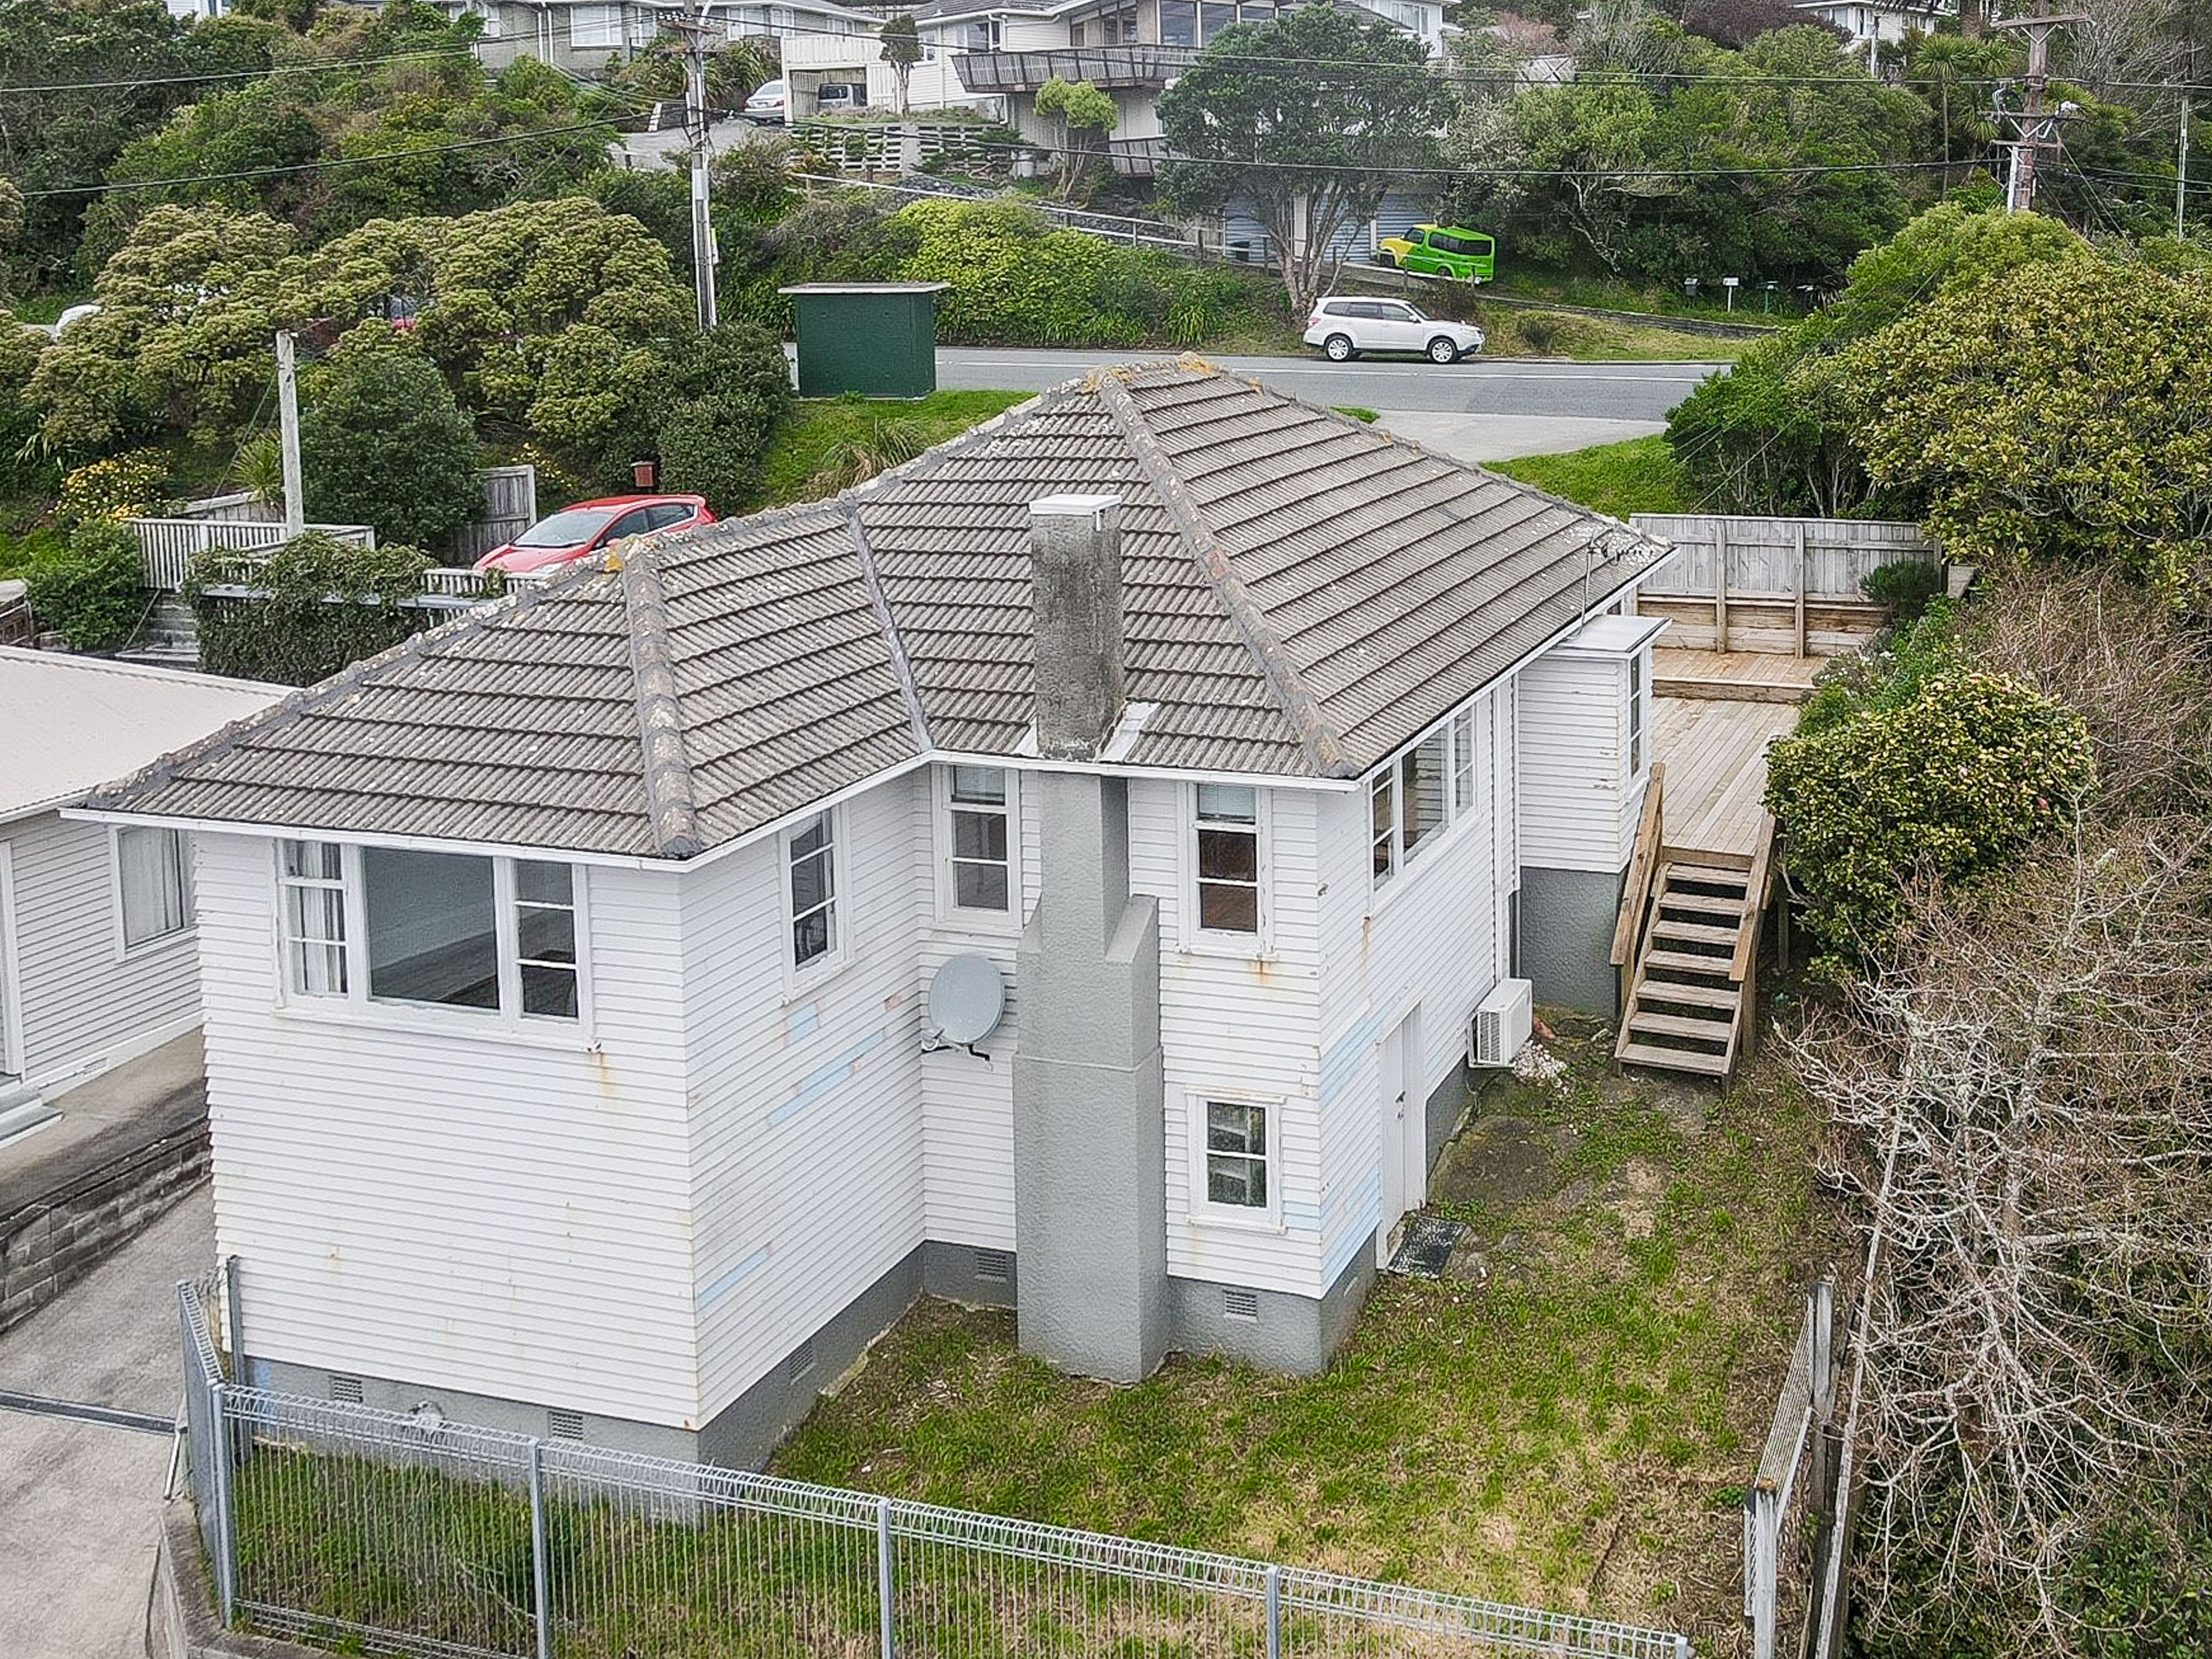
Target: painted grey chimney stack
(1089,1089)
(1075,544)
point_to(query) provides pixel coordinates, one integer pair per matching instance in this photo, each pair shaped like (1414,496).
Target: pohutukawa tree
(1303,121)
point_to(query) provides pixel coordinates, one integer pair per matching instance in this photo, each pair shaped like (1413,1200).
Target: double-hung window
(811,874)
(150,879)
(1229,861)
(1236,1156)
(981,875)
(1463,762)
(1427,789)
(1637,678)
(492,938)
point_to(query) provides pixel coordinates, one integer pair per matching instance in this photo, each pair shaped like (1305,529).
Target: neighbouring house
(572,34)
(1873,23)
(1130,49)
(1061,872)
(97,961)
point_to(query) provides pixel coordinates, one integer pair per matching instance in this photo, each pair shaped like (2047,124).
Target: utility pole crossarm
(2032,130)
(695,32)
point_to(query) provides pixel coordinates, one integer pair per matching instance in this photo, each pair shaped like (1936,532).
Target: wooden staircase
(1687,947)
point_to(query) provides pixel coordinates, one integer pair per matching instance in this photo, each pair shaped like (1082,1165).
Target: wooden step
(1676,878)
(1667,927)
(1702,904)
(1682,962)
(1673,1059)
(1701,996)
(1676,1025)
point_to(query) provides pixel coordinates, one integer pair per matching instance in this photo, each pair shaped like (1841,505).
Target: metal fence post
(1275,1612)
(226,1520)
(886,1595)
(541,1601)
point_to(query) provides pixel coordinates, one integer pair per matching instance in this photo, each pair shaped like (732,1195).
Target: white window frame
(608,29)
(126,948)
(1217,941)
(356,1002)
(1462,724)
(803,976)
(949,908)
(1246,1218)
(1637,748)
(288,947)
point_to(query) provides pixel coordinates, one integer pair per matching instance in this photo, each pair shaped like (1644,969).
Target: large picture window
(150,873)
(491,938)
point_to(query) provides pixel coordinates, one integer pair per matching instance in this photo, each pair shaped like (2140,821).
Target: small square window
(1236,1155)
(150,873)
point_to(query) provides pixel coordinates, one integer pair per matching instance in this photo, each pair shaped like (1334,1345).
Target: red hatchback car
(576,531)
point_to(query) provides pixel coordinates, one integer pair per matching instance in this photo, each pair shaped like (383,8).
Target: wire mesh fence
(377,1532)
(1787,1511)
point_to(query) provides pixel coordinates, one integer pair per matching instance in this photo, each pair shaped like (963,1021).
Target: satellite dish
(967,998)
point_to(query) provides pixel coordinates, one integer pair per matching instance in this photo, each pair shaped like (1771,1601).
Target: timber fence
(374,1531)
(1792,586)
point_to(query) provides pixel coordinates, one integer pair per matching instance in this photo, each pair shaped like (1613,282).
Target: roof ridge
(303,701)
(1295,699)
(670,804)
(879,602)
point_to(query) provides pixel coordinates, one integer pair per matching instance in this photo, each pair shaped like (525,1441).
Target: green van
(1464,256)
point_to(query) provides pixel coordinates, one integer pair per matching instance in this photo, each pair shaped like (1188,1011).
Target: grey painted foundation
(1567,918)
(1271,1330)
(1447,1107)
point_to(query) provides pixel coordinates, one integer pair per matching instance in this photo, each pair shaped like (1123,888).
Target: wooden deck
(1733,675)
(1716,757)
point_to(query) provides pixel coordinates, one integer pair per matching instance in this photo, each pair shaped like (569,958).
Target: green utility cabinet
(879,339)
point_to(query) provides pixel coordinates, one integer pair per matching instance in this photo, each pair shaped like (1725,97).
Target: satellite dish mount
(966,999)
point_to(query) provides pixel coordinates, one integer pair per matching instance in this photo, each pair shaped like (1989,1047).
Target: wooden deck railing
(168,546)
(1643,866)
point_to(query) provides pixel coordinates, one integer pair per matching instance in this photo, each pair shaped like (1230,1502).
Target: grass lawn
(829,444)
(1572,1425)
(1638,475)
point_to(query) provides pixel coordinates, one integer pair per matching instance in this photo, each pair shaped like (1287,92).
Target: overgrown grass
(1525,281)
(829,444)
(1637,475)
(1574,1432)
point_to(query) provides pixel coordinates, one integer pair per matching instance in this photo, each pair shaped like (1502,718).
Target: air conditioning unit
(1502,1024)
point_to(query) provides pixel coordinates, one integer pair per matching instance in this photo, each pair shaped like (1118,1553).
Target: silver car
(1343,328)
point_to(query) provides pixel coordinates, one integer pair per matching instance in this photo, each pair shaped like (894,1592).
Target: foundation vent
(994,1267)
(1240,1303)
(564,1425)
(346,1389)
(801,1361)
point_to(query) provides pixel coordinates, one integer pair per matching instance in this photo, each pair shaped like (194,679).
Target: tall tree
(902,51)
(1085,114)
(1303,123)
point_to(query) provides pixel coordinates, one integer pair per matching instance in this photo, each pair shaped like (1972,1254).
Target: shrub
(383,443)
(1905,585)
(90,590)
(1949,785)
(1888,676)
(713,446)
(133,485)
(316,605)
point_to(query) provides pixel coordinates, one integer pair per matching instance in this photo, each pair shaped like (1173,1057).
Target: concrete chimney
(1075,586)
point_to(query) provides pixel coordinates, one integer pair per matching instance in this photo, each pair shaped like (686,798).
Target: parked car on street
(1448,251)
(1343,328)
(577,531)
(770,101)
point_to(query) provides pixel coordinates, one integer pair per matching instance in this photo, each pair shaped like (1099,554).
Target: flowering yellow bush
(131,485)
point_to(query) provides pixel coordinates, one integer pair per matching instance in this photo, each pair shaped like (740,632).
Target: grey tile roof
(1302,595)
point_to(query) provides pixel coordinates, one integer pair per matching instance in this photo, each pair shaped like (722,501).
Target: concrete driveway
(80,1502)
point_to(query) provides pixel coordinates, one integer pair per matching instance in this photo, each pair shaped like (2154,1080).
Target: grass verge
(1572,1428)
(829,444)
(1637,475)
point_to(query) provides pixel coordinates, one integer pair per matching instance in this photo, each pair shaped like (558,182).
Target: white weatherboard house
(97,959)
(573,1060)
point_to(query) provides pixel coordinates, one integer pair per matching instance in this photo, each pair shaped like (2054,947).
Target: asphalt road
(1590,391)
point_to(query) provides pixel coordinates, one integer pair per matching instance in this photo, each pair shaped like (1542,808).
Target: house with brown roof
(1064,872)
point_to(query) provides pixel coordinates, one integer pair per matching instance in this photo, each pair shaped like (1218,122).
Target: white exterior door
(1404,1138)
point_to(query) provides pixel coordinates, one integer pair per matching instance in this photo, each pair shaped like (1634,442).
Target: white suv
(1345,328)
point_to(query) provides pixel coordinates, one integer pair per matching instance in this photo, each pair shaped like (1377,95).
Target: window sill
(978,924)
(154,946)
(1229,1221)
(800,983)
(491,1027)
(1227,946)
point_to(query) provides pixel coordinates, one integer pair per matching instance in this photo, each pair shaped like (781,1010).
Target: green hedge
(89,589)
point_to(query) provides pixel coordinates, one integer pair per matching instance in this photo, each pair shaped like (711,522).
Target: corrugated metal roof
(1303,595)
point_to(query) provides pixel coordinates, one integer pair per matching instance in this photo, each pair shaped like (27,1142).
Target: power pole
(288,426)
(2181,177)
(694,31)
(2032,130)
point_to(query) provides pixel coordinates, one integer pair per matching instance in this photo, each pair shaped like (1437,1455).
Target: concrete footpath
(1503,437)
(80,1502)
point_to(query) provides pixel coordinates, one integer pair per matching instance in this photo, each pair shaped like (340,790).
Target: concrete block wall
(53,1240)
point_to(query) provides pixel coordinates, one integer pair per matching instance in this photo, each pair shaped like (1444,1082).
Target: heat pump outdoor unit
(1501,1025)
